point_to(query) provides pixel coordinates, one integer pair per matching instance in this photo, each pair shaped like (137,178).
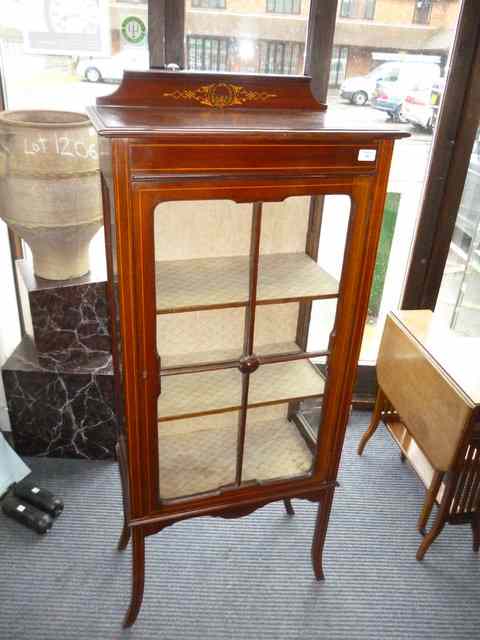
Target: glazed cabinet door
(242,370)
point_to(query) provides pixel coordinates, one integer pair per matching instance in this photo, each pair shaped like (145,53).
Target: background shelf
(203,283)
(414,454)
(196,394)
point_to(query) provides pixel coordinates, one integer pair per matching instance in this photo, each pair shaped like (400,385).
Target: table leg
(429,501)
(439,521)
(376,415)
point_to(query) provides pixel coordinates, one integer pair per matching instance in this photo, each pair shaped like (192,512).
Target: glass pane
(192,394)
(267,36)
(287,272)
(322,321)
(62,55)
(274,445)
(58,55)
(202,255)
(197,455)
(458,301)
(394,63)
(202,275)
(200,336)
(333,234)
(290,229)
(276,329)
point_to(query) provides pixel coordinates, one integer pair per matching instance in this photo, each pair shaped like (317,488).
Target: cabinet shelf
(273,450)
(209,392)
(214,283)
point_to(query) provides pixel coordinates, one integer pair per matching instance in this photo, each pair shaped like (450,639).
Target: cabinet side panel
(112,270)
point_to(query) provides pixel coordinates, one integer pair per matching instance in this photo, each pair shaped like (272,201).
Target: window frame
(350,9)
(219,40)
(205,4)
(272,6)
(340,49)
(454,137)
(282,46)
(418,16)
(420,290)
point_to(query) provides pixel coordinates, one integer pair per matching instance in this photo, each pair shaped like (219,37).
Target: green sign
(133,29)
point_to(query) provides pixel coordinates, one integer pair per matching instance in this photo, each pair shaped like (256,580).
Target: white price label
(35,490)
(21,508)
(367,155)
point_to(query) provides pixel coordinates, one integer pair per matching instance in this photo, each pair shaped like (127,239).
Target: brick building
(369,32)
(268,36)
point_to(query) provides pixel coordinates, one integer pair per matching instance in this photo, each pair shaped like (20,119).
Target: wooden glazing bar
(249,332)
(219,391)
(232,364)
(288,357)
(198,368)
(253,279)
(242,425)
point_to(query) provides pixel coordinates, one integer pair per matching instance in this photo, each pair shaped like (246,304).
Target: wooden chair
(429,400)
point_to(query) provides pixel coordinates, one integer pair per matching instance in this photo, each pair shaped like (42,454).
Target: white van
(360,89)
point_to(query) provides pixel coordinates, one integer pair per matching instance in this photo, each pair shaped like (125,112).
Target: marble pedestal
(59,381)
(67,316)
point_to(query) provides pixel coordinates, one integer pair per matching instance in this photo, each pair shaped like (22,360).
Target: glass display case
(213,192)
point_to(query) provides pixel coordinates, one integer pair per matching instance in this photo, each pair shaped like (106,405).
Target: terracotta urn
(50,187)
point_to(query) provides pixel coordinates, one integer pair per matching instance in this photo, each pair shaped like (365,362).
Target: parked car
(391,90)
(358,90)
(112,68)
(421,104)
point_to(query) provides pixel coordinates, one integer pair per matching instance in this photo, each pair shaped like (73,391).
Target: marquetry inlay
(221,95)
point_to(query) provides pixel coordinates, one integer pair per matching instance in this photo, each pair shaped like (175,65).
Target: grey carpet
(247,578)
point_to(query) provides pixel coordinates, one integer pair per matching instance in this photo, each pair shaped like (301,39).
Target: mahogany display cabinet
(213,189)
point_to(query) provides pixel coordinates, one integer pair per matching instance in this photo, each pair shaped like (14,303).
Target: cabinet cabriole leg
(288,507)
(124,537)
(321,524)
(138,576)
